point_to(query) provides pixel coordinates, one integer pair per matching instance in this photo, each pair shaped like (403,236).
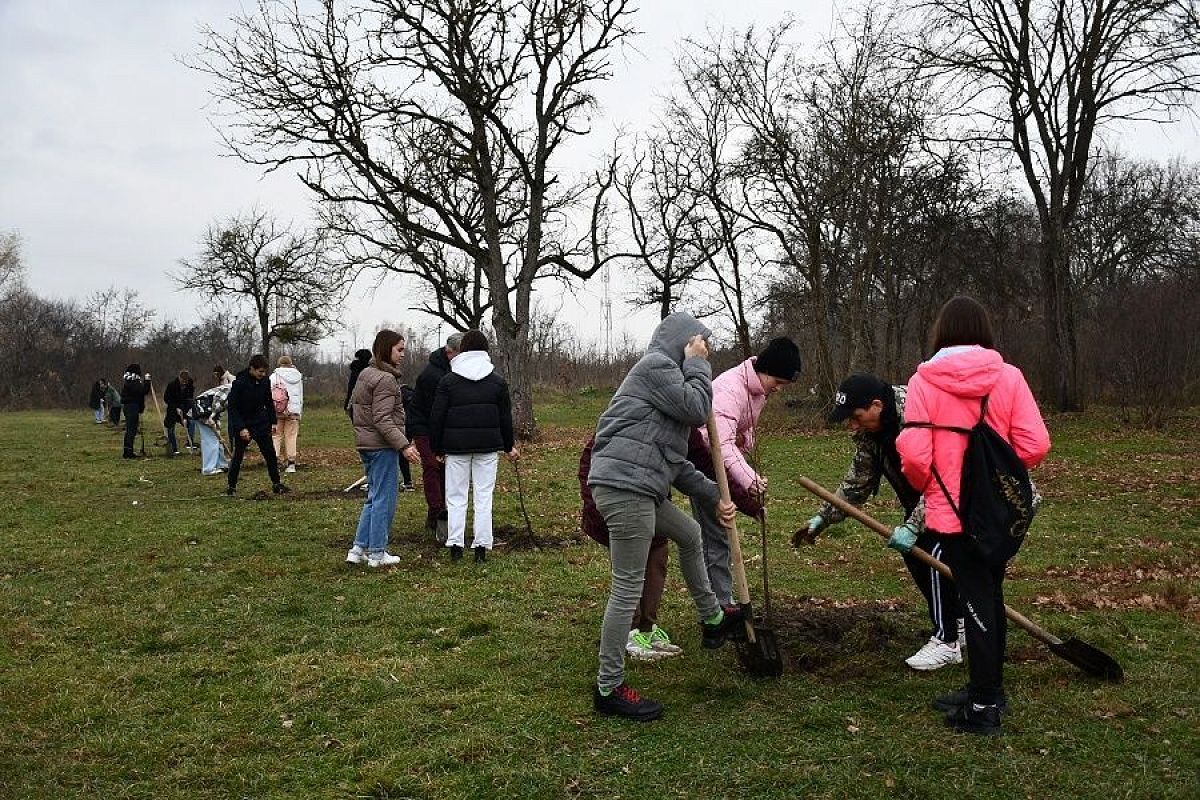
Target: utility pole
(606,310)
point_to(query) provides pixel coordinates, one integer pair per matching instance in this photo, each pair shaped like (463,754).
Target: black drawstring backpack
(995,494)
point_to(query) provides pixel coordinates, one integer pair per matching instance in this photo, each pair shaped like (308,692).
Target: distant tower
(606,310)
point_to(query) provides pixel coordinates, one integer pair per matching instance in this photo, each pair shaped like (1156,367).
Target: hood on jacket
(970,371)
(673,334)
(289,375)
(474,365)
(439,359)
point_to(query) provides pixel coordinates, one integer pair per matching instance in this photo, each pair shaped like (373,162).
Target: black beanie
(781,359)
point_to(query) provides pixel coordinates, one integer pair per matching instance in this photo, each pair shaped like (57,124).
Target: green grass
(159,640)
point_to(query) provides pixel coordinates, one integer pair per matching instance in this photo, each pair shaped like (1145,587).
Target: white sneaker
(384,559)
(962,634)
(639,647)
(356,555)
(935,655)
(290,467)
(662,643)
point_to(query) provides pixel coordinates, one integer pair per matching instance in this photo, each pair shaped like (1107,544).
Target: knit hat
(781,359)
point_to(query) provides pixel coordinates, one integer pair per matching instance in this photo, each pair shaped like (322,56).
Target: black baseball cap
(857,391)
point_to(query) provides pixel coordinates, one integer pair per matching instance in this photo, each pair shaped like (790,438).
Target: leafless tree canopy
(429,129)
(294,288)
(1049,75)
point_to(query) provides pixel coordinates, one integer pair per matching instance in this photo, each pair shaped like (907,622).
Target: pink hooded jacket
(738,400)
(948,390)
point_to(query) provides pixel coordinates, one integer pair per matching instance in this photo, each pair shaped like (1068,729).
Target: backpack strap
(983,404)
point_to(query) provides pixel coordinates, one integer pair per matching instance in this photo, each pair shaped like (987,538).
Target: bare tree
(434,126)
(294,289)
(12,268)
(1048,75)
(116,318)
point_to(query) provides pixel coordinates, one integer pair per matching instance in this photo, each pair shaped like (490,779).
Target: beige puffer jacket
(376,409)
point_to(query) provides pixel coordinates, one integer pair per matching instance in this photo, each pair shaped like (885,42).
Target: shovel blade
(1090,659)
(762,657)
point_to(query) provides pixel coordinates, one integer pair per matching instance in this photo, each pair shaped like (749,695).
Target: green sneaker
(661,642)
(640,648)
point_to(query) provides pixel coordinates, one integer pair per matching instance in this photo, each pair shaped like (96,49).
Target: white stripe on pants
(463,471)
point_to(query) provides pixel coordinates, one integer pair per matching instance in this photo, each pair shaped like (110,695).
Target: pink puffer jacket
(948,390)
(738,400)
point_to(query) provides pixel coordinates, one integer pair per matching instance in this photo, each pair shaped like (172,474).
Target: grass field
(160,640)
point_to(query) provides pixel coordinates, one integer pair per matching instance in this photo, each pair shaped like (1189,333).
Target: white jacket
(293,381)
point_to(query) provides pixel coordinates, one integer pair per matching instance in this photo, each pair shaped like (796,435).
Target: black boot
(949,702)
(480,554)
(731,626)
(976,719)
(456,552)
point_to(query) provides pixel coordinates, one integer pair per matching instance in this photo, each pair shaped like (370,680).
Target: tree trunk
(264,331)
(1059,307)
(512,359)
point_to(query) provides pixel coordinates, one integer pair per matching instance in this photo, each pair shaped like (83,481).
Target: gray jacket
(642,438)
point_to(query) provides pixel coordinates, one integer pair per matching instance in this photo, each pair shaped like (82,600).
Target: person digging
(252,419)
(873,412)
(640,453)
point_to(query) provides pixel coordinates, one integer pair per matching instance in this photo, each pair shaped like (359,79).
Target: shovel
(163,441)
(759,654)
(1090,659)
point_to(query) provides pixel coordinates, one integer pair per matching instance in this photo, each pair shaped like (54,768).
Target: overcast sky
(110,169)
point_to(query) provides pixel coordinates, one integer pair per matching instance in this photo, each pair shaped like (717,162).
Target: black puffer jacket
(472,410)
(178,399)
(133,392)
(96,397)
(420,405)
(250,404)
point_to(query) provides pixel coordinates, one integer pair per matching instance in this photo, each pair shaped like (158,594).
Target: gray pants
(716,550)
(632,521)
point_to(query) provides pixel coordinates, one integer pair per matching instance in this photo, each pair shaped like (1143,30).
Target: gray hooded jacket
(642,438)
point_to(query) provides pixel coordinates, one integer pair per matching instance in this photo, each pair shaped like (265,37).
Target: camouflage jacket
(874,460)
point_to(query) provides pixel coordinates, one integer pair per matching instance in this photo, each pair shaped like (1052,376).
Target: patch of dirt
(838,639)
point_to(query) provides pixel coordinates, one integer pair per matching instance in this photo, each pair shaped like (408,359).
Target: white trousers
(463,471)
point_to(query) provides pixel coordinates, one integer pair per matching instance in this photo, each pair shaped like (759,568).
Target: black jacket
(133,393)
(420,406)
(178,398)
(250,404)
(471,416)
(96,397)
(356,368)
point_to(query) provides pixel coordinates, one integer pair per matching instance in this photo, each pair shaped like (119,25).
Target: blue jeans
(375,522)
(212,457)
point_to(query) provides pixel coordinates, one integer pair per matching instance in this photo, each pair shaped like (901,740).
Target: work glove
(902,540)
(808,534)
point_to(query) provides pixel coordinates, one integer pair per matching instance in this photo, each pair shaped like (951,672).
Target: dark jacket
(250,404)
(96,397)
(356,368)
(178,399)
(472,410)
(133,393)
(590,519)
(420,405)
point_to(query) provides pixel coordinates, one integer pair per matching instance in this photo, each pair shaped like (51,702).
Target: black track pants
(981,593)
(941,595)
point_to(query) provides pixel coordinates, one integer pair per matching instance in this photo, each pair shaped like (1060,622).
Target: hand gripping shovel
(759,655)
(1090,659)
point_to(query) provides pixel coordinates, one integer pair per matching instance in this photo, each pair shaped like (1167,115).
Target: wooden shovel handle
(1022,621)
(741,589)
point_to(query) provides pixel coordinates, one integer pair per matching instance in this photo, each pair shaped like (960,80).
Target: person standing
(112,399)
(739,396)
(177,398)
(639,454)
(252,419)
(96,400)
(433,471)
(378,417)
(134,388)
(874,412)
(287,384)
(470,424)
(966,381)
(361,359)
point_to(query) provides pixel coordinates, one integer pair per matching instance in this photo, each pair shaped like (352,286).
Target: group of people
(653,438)
(259,409)
(456,422)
